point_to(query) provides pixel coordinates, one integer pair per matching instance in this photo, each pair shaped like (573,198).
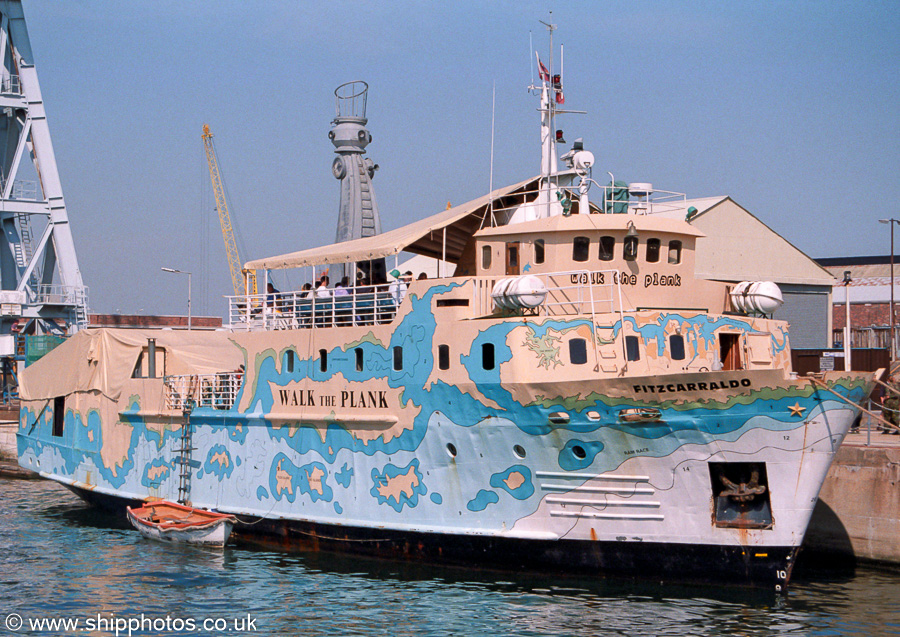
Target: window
(630,249)
(487,355)
(676,347)
(607,248)
(675,252)
(359,358)
(485,257)
(323,360)
(443,357)
(538,250)
(653,247)
(580,248)
(59,415)
(398,358)
(289,361)
(578,351)
(632,352)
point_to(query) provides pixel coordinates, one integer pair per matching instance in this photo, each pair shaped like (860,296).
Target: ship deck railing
(366,305)
(216,391)
(569,293)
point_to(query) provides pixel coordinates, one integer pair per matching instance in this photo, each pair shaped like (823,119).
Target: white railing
(562,198)
(52,294)
(21,189)
(217,391)
(11,84)
(568,293)
(366,305)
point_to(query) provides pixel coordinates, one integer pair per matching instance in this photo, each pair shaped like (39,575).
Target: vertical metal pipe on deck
(151,358)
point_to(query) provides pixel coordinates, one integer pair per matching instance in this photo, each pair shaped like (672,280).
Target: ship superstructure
(573,398)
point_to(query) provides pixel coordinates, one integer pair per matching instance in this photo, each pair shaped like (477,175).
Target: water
(60,559)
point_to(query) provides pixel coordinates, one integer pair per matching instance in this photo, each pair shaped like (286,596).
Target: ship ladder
(184,455)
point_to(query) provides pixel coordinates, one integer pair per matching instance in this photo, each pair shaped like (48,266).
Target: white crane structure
(41,289)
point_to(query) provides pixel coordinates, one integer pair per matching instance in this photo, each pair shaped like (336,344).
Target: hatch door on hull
(730,351)
(512,258)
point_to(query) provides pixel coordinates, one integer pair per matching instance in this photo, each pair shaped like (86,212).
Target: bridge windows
(653,246)
(675,252)
(323,360)
(357,351)
(581,247)
(538,251)
(398,358)
(443,357)
(607,248)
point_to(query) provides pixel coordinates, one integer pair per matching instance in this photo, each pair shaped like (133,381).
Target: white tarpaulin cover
(103,360)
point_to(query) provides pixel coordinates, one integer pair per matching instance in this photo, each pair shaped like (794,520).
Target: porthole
(559,418)
(451,449)
(519,450)
(579,452)
(593,416)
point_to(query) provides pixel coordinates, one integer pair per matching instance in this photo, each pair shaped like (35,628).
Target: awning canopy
(424,237)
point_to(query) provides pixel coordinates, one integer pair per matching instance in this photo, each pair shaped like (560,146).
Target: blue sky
(790,108)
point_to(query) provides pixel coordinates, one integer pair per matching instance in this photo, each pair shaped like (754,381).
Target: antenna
(530,50)
(491,180)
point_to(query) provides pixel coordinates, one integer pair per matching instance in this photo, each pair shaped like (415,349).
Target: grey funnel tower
(358,215)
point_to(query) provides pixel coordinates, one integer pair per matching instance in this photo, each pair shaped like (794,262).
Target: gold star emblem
(796,409)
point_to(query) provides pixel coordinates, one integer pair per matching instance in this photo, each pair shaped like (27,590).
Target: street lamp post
(174,271)
(892,221)
(848,344)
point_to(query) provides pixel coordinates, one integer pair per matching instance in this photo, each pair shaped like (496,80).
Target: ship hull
(658,562)
(692,476)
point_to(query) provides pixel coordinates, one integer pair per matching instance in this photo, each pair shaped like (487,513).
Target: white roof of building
(738,246)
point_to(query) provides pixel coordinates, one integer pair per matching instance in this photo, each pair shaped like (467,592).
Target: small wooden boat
(170,522)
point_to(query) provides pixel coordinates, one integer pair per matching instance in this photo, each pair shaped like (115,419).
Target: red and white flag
(542,70)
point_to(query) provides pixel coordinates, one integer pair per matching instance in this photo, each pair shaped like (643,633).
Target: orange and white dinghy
(170,522)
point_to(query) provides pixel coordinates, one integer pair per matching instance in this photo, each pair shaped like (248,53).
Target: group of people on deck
(345,303)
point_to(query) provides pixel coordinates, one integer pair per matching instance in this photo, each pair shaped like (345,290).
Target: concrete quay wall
(8,440)
(858,512)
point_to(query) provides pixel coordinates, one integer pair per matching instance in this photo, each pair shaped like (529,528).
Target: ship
(572,398)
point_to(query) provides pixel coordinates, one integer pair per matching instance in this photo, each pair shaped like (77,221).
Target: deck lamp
(174,271)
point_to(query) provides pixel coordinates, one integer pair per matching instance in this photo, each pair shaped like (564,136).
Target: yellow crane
(231,252)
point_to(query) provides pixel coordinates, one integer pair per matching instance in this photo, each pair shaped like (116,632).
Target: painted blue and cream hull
(530,461)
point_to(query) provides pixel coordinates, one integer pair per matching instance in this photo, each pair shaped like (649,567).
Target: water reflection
(77,561)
